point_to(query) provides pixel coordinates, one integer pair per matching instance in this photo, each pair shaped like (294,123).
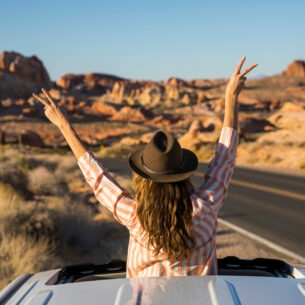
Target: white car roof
(240,281)
(208,290)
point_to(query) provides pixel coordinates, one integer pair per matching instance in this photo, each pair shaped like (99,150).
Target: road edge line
(262,240)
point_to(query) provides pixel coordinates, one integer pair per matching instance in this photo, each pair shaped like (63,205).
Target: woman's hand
(52,111)
(238,79)
(234,87)
(55,114)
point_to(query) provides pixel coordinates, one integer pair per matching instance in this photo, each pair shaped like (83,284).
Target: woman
(172,226)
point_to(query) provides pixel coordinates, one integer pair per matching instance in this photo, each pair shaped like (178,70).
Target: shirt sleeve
(219,171)
(106,189)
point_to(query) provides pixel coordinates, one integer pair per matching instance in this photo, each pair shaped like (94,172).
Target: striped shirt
(206,200)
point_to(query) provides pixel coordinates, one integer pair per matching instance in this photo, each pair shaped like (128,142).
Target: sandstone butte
(114,113)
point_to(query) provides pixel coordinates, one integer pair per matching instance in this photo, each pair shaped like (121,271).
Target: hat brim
(188,167)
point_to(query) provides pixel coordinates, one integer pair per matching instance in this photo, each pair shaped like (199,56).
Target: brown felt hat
(163,159)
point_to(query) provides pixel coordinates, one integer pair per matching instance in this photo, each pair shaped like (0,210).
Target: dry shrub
(11,173)
(57,203)
(77,230)
(68,170)
(69,225)
(21,254)
(66,165)
(114,240)
(60,164)
(10,198)
(33,219)
(35,237)
(42,181)
(43,224)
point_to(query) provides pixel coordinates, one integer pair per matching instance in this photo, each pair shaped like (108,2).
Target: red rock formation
(29,68)
(29,137)
(128,88)
(68,81)
(174,81)
(260,105)
(118,91)
(90,81)
(103,109)
(24,137)
(133,114)
(296,68)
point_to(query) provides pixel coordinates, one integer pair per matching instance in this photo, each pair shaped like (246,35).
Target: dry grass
(21,255)
(47,218)
(10,198)
(43,182)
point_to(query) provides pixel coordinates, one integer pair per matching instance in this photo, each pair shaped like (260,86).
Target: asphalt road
(269,205)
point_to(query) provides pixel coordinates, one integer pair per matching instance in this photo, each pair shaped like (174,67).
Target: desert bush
(49,161)
(66,164)
(39,236)
(68,169)
(54,226)
(41,181)
(23,164)
(10,198)
(21,254)
(31,218)
(77,229)
(12,174)
(57,203)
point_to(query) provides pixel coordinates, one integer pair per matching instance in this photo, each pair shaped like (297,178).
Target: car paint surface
(209,290)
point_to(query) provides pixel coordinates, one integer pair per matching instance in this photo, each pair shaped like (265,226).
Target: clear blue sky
(155,39)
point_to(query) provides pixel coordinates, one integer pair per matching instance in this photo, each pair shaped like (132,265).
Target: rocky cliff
(111,112)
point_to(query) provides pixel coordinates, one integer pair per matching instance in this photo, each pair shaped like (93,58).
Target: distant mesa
(97,82)
(296,68)
(21,75)
(115,112)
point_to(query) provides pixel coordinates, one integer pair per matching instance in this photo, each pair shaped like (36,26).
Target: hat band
(172,171)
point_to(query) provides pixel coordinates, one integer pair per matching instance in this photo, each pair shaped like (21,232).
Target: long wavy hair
(165,213)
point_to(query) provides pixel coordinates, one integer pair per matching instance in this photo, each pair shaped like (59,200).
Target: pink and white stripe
(207,200)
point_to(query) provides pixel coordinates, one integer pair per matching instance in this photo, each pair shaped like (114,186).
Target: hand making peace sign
(52,111)
(238,78)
